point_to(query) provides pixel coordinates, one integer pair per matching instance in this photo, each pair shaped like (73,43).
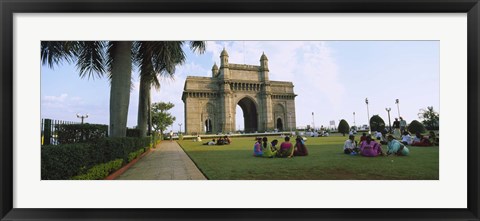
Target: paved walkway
(166,162)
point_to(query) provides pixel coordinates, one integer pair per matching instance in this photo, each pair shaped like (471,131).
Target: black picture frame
(9,7)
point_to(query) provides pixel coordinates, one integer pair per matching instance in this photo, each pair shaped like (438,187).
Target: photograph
(240,110)
(234,110)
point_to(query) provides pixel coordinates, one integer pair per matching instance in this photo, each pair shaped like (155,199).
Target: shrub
(118,148)
(62,162)
(133,132)
(343,127)
(100,171)
(135,154)
(78,133)
(377,123)
(415,127)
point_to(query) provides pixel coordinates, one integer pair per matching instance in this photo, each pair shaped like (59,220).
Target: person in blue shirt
(396,147)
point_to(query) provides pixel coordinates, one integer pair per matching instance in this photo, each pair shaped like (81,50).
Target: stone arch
(250,113)
(209,118)
(279,124)
(279,116)
(243,84)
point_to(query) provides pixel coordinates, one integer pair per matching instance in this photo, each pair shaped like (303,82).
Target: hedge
(135,154)
(100,171)
(133,132)
(64,161)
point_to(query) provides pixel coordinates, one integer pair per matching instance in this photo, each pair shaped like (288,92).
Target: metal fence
(48,129)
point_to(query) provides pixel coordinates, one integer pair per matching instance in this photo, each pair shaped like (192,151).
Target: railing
(48,128)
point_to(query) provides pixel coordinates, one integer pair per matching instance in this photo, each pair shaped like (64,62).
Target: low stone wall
(212,136)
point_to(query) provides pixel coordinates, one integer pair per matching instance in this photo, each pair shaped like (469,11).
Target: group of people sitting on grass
(419,139)
(370,148)
(220,141)
(263,148)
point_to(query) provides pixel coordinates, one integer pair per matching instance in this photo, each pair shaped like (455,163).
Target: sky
(332,79)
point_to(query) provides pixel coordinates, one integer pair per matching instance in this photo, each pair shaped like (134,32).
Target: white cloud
(60,98)
(64,107)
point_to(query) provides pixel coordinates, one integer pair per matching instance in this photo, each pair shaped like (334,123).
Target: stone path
(166,162)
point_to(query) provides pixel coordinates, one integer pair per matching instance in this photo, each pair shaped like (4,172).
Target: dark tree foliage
(415,127)
(377,123)
(430,118)
(343,127)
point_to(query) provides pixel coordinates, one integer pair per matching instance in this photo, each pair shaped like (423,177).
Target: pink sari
(372,149)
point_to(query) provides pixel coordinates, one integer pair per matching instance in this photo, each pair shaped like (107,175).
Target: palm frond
(54,52)
(167,55)
(111,48)
(92,58)
(198,46)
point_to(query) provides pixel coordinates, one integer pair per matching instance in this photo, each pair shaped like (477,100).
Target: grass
(326,161)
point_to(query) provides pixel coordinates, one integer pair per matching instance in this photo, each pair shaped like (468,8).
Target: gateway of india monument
(210,102)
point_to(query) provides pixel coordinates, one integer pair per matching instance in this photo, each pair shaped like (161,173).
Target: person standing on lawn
(403,125)
(396,128)
(286,149)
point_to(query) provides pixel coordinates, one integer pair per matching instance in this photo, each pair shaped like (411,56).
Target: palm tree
(98,58)
(430,118)
(157,59)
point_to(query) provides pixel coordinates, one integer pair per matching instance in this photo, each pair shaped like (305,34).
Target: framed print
(291,68)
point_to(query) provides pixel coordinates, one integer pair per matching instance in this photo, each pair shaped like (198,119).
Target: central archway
(250,115)
(208,126)
(279,124)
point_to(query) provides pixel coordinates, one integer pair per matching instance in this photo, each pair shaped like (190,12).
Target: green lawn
(326,161)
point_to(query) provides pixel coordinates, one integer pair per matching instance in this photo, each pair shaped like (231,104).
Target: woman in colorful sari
(274,145)
(396,147)
(420,140)
(257,148)
(370,148)
(300,148)
(267,148)
(286,149)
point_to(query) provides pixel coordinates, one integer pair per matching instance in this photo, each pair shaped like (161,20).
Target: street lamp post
(82,116)
(389,125)
(368,115)
(313,122)
(398,106)
(180,126)
(354,119)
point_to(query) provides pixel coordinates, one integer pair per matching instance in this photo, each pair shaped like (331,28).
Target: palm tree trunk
(120,87)
(143,106)
(149,113)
